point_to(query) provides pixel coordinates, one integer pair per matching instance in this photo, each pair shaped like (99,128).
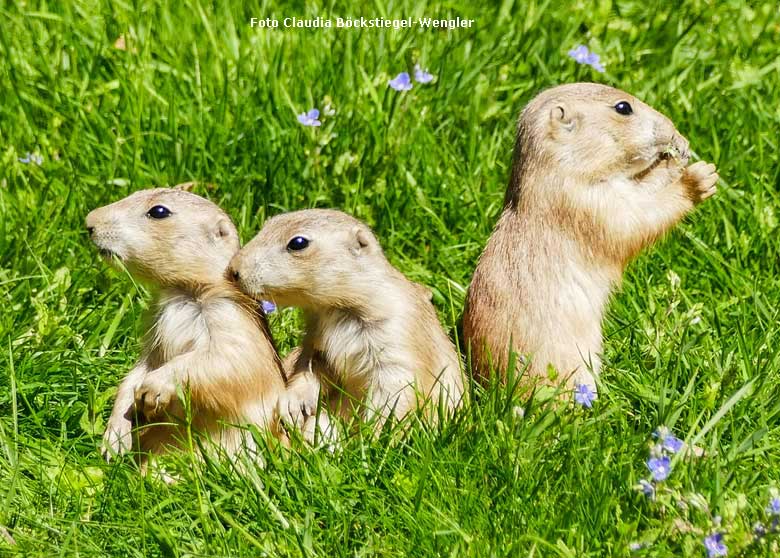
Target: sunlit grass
(692,338)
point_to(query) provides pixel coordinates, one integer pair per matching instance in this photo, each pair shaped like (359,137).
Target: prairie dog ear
(562,118)
(224,231)
(360,241)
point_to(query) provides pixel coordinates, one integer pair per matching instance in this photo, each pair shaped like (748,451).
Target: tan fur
(590,188)
(207,338)
(370,332)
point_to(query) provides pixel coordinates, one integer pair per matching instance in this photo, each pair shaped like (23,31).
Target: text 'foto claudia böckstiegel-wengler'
(359,22)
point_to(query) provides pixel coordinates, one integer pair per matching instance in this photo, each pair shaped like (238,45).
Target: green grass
(692,338)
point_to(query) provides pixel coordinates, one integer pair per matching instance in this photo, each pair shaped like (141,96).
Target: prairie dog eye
(623,108)
(159,212)
(297,243)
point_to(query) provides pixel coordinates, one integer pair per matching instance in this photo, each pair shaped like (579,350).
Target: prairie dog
(597,176)
(206,337)
(370,332)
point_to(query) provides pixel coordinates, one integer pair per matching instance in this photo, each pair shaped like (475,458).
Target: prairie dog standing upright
(206,338)
(370,331)
(597,176)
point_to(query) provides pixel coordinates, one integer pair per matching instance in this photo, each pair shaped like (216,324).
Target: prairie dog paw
(154,395)
(298,403)
(700,180)
(117,439)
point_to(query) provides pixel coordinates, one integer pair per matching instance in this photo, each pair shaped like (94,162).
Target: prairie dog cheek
(647,136)
(136,242)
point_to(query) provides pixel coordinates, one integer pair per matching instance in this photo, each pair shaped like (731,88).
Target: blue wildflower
(268,306)
(647,488)
(401,82)
(715,546)
(31,158)
(584,396)
(669,441)
(759,530)
(582,55)
(660,467)
(774,506)
(422,76)
(672,443)
(310,118)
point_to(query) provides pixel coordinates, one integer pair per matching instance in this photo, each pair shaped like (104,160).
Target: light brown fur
(590,188)
(207,338)
(370,332)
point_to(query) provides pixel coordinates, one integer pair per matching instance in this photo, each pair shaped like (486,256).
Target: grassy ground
(692,338)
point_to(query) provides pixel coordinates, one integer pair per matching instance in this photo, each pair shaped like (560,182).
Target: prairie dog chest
(577,294)
(180,326)
(352,348)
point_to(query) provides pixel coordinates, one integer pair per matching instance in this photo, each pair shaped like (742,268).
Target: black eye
(623,108)
(297,243)
(159,212)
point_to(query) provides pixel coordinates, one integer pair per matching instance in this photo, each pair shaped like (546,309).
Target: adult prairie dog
(370,332)
(597,176)
(206,336)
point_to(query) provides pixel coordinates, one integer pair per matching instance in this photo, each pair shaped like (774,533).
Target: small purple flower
(422,76)
(310,118)
(669,441)
(31,158)
(660,467)
(401,82)
(774,506)
(582,55)
(647,488)
(759,530)
(268,306)
(584,396)
(715,546)
(672,443)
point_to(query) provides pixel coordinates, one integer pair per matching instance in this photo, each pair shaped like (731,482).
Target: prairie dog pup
(206,337)
(370,332)
(597,176)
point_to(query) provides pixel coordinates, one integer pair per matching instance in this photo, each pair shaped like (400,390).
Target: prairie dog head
(166,236)
(314,259)
(595,132)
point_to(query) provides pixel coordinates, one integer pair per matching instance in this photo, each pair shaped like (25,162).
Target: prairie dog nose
(91,220)
(232,272)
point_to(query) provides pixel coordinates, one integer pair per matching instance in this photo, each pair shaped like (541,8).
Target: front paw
(117,439)
(700,181)
(154,395)
(297,404)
